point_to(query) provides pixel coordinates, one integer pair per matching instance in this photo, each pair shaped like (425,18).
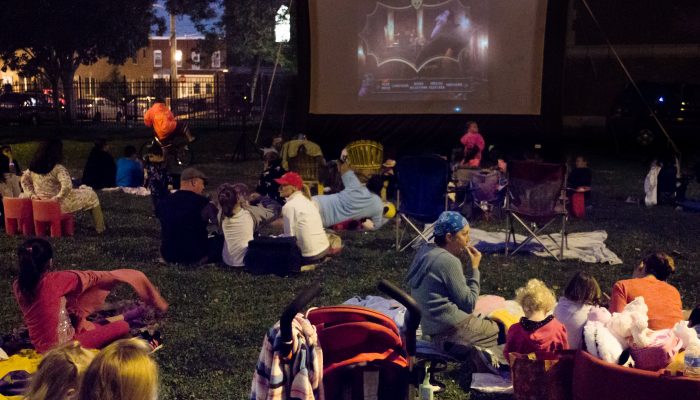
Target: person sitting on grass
(447,298)
(47,179)
(239,220)
(55,304)
(649,281)
(11,171)
(537,330)
(124,370)
(302,219)
(582,293)
(129,169)
(60,372)
(272,169)
(354,202)
(100,170)
(184,216)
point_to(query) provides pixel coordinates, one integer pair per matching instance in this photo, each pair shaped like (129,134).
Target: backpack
(269,255)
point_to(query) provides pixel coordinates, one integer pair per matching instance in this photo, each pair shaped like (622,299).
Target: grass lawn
(218,316)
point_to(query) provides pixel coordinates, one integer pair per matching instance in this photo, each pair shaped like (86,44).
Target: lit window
(157,58)
(216,59)
(195,60)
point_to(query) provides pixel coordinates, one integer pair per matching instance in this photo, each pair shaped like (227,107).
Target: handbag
(659,353)
(543,375)
(273,255)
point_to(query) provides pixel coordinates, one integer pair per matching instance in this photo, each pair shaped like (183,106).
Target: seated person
(354,202)
(649,281)
(580,178)
(184,216)
(272,169)
(694,320)
(582,294)
(11,171)
(239,220)
(129,169)
(60,372)
(100,170)
(55,304)
(302,220)
(538,330)
(447,298)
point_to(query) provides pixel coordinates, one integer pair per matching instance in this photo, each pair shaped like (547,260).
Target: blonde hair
(121,371)
(60,371)
(535,296)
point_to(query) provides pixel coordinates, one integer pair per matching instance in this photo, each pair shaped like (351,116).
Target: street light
(178,56)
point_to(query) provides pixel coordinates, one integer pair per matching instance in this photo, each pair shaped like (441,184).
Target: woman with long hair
(48,179)
(55,304)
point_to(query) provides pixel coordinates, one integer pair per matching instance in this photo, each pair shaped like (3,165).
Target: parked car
(98,109)
(25,107)
(676,105)
(136,106)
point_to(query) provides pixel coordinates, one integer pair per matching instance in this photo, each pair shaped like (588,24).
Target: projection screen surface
(426,56)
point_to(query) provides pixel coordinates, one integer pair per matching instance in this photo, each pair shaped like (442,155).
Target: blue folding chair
(421,194)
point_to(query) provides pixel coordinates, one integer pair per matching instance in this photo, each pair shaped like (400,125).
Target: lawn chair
(477,189)
(422,193)
(18,216)
(365,156)
(305,158)
(536,198)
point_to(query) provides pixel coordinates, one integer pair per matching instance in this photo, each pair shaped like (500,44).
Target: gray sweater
(438,284)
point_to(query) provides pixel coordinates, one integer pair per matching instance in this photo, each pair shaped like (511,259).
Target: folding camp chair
(422,193)
(536,198)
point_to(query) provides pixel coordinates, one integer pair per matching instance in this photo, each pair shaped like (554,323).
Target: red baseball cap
(291,178)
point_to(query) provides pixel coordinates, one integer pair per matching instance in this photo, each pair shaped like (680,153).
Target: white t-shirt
(303,221)
(238,231)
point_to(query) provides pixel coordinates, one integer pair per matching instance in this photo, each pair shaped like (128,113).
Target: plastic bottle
(426,389)
(692,362)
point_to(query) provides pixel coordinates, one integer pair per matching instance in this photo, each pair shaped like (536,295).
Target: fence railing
(212,102)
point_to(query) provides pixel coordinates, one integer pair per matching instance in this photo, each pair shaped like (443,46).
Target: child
(580,178)
(124,370)
(55,304)
(9,174)
(129,169)
(473,140)
(60,373)
(536,331)
(582,293)
(237,223)
(156,178)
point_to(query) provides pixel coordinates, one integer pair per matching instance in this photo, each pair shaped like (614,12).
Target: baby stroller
(364,354)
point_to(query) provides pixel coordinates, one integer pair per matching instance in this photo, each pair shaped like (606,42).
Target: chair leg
(40,228)
(56,228)
(68,226)
(11,225)
(27,226)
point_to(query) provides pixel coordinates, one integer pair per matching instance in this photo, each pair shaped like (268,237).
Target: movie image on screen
(423,50)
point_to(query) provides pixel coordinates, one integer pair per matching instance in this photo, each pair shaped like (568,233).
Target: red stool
(18,215)
(578,204)
(47,213)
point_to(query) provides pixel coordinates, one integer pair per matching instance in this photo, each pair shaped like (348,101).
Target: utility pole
(173,58)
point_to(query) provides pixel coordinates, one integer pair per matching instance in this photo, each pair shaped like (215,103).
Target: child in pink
(473,145)
(55,304)
(536,331)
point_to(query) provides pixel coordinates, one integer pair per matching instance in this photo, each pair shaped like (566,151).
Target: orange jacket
(161,119)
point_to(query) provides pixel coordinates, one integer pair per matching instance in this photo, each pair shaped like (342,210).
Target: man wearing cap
(184,216)
(447,298)
(302,220)
(354,202)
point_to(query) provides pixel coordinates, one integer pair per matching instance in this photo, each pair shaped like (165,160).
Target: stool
(18,215)
(432,360)
(47,213)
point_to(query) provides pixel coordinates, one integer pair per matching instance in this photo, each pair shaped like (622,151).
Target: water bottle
(692,362)
(426,389)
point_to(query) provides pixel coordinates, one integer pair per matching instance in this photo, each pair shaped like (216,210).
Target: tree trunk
(56,100)
(67,76)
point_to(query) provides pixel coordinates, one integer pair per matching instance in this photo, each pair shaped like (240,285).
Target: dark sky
(183,25)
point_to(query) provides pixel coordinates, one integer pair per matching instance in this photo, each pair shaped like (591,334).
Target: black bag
(267,255)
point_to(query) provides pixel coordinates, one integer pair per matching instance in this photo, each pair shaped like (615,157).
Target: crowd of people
(84,360)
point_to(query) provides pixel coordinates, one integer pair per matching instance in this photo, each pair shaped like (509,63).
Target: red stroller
(364,354)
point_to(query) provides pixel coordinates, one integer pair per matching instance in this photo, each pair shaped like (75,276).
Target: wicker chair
(365,156)
(308,167)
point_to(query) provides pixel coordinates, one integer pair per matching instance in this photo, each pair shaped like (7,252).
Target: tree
(52,38)
(250,35)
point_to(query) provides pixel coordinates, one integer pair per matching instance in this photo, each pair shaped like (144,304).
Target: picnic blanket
(585,246)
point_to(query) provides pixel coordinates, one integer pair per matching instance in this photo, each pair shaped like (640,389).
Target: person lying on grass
(55,304)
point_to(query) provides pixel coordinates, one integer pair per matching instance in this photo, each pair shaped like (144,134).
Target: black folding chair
(422,193)
(536,198)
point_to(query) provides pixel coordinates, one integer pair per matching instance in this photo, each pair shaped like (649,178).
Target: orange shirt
(161,119)
(663,300)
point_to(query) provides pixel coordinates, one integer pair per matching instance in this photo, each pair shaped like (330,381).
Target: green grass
(218,315)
